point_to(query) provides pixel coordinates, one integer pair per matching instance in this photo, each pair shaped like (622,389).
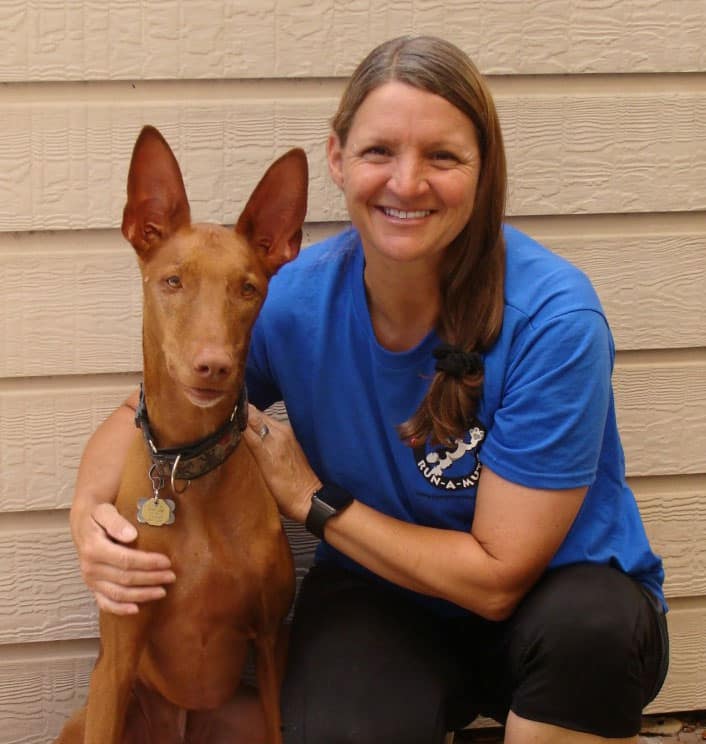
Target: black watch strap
(327,502)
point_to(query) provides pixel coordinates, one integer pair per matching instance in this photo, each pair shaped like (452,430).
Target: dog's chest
(225,543)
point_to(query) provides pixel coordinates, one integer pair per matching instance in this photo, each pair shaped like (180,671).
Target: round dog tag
(155,512)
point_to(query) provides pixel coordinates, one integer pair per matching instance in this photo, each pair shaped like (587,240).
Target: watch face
(322,507)
(334,496)
(326,503)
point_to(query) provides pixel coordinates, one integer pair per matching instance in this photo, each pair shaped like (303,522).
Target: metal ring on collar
(173,477)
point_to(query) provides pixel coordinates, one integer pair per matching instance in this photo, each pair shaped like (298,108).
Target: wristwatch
(327,502)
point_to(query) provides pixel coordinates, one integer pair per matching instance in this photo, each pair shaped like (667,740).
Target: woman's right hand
(120,576)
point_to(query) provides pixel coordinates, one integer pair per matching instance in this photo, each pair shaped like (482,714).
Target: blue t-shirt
(546,418)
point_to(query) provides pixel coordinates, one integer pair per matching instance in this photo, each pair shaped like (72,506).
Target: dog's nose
(213,363)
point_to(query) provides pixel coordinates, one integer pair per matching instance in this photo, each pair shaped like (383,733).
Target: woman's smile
(400,214)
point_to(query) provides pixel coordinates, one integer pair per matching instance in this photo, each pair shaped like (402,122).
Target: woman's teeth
(400,215)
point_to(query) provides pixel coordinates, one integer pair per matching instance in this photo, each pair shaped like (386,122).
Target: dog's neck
(192,459)
(176,422)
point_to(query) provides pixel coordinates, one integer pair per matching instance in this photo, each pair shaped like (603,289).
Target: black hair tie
(457,363)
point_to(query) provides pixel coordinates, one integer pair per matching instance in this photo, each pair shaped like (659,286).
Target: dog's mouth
(204,397)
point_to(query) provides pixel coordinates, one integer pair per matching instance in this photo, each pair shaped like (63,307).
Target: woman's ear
(334,153)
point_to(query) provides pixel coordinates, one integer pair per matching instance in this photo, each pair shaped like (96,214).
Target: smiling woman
(488,482)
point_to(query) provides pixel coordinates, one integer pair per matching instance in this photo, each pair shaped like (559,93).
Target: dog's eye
(173,282)
(248,289)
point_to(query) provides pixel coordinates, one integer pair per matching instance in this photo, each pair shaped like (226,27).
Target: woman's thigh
(365,665)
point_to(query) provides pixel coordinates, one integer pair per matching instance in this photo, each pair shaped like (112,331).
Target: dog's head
(204,284)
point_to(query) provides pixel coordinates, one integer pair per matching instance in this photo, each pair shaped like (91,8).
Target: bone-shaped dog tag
(156,512)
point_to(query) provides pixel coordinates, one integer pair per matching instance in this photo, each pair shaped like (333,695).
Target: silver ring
(264,431)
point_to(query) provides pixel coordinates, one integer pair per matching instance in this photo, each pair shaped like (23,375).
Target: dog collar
(193,460)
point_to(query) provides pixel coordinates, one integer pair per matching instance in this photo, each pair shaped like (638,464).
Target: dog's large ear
(273,218)
(156,199)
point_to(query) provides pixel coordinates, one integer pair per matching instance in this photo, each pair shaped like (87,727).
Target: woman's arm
(516,531)
(119,576)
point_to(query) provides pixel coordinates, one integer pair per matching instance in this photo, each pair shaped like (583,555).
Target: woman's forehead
(395,108)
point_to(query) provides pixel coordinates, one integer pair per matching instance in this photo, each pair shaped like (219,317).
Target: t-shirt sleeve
(263,391)
(548,429)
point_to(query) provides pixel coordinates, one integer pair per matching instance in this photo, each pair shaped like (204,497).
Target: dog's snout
(213,363)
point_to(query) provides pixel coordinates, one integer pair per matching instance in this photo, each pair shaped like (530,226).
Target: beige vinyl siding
(604,113)
(572,149)
(50,40)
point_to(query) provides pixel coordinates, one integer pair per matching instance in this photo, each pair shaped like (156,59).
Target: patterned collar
(198,458)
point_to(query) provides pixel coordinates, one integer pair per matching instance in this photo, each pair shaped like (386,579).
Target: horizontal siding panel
(48,604)
(48,40)
(38,695)
(661,413)
(567,154)
(652,286)
(223,149)
(53,604)
(685,686)
(67,313)
(42,435)
(662,417)
(675,520)
(89,318)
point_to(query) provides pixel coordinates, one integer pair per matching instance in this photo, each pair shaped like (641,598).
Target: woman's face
(409,172)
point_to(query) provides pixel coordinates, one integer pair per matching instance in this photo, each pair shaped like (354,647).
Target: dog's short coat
(204,285)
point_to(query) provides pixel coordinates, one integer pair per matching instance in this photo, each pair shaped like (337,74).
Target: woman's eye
(378,151)
(444,157)
(173,282)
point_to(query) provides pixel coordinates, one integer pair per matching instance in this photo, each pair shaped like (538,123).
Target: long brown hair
(473,267)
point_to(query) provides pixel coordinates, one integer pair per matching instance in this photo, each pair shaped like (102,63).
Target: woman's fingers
(122,589)
(116,608)
(107,517)
(103,552)
(125,600)
(125,566)
(111,573)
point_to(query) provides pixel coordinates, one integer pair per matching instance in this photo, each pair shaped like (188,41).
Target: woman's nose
(408,177)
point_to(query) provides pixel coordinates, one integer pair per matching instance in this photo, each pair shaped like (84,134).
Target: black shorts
(586,650)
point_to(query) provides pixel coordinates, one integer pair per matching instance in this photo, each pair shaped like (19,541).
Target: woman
(448,384)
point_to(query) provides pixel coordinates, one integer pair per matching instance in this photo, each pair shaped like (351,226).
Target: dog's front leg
(268,682)
(122,641)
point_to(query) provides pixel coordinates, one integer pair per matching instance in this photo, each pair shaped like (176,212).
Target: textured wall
(604,112)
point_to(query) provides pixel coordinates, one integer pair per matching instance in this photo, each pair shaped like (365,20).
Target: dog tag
(156,512)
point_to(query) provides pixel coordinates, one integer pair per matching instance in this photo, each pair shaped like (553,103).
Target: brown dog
(191,487)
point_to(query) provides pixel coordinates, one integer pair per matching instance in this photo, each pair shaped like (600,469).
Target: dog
(191,486)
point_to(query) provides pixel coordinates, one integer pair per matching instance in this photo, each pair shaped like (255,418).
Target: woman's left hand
(282,462)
